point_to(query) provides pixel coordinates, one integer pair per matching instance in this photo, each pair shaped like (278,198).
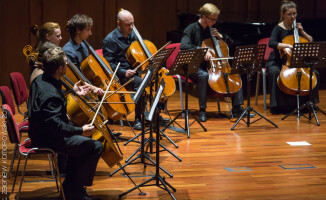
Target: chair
(22,127)
(26,149)
(263,71)
(99,51)
(169,64)
(19,88)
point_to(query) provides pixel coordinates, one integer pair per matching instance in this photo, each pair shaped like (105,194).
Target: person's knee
(98,147)
(273,72)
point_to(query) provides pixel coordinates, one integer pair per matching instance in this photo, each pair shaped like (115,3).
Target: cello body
(98,71)
(220,72)
(138,52)
(288,78)
(79,113)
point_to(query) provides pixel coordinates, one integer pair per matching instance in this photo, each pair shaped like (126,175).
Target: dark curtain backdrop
(153,19)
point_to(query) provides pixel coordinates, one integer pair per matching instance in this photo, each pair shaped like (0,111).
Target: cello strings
(107,89)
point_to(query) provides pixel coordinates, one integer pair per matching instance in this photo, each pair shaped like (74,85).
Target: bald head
(125,22)
(124,15)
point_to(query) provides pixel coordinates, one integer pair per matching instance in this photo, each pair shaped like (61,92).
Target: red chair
(26,149)
(19,88)
(99,52)
(169,64)
(22,127)
(267,52)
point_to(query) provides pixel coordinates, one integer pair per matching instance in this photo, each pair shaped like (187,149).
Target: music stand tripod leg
(166,149)
(318,109)
(262,116)
(167,137)
(241,116)
(156,177)
(248,60)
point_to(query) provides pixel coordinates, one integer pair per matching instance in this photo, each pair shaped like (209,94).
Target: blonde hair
(209,9)
(286,5)
(40,33)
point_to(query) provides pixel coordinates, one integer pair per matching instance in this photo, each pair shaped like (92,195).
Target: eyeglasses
(213,20)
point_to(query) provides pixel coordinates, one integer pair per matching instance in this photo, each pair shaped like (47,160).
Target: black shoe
(164,120)
(202,116)
(73,191)
(86,196)
(137,124)
(116,134)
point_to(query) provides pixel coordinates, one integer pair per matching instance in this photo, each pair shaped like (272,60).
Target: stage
(253,162)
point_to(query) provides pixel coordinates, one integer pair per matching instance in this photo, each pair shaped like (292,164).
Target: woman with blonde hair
(279,101)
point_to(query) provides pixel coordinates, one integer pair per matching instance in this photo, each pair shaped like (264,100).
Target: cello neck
(216,44)
(295,32)
(98,59)
(142,43)
(77,71)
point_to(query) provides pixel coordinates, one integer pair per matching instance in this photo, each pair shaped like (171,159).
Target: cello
(79,112)
(99,72)
(288,79)
(220,79)
(139,51)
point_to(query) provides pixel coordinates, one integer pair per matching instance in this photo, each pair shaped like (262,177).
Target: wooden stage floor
(253,162)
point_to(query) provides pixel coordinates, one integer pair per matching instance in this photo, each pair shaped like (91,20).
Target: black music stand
(248,59)
(141,95)
(308,55)
(159,180)
(157,61)
(187,61)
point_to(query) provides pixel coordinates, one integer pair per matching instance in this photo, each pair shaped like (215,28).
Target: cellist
(115,46)
(79,28)
(50,127)
(48,32)
(279,101)
(194,35)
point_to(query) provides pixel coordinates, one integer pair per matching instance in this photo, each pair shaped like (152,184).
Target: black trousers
(83,154)
(201,78)
(280,100)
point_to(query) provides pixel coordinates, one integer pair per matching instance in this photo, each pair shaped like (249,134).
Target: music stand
(141,92)
(308,55)
(186,62)
(157,61)
(159,180)
(248,59)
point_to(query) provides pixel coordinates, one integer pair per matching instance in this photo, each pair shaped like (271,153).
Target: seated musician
(79,28)
(194,35)
(49,126)
(279,101)
(114,47)
(48,32)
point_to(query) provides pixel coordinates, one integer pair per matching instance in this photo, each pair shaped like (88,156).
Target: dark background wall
(153,18)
